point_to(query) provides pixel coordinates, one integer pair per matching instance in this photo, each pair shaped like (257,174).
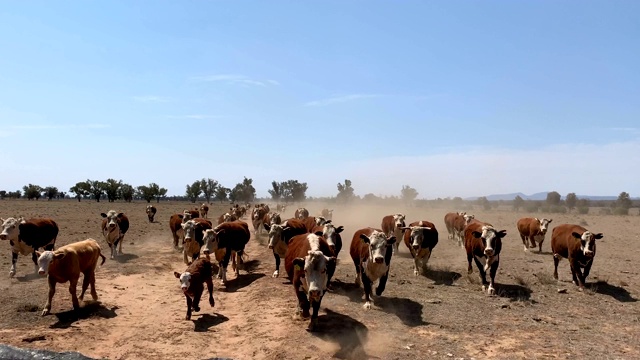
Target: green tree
(243,191)
(3,194)
(484,202)
(624,201)
(276,191)
(518,203)
(50,192)
(208,187)
(126,192)
(193,191)
(222,193)
(345,191)
(553,198)
(112,189)
(408,193)
(32,191)
(292,190)
(81,189)
(160,192)
(571,200)
(96,189)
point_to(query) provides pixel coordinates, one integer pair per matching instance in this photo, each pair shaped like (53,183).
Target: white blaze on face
(10,229)
(185,281)
(468,218)
(210,241)
(189,228)
(315,270)
(398,220)
(320,220)
(275,235)
(417,235)
(44,260)
(489,235)
(544,225)
(377,247)
(587,242)
(330,234)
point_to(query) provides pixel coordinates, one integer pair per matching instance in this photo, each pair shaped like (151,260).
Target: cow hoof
(196,308)
(275,274)
(416,272)
(12,274)
(367,305)
(45,312)
(188,317)
(491,291)
(313,324)
(212,303)
(484,288)
(581,288)
(526,249)
(305,314)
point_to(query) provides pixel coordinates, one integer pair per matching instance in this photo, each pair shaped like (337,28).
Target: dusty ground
(441,315)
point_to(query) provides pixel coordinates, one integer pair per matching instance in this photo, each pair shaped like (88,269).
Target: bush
(620,211)
(531,208)
(605,211)
(557,209)
(583,210)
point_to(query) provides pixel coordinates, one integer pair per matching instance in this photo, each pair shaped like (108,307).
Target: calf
(483,244)
(331,235)
(576,244)
(226,217)
(27,236)
(420,237)
(151,212)
(191,283)
(204,210)
(114,226)
(257,219)
(391,225)
(310,265)
(371,252)
(458,227)
(66,264)
(532,230)
(232,237)
(193,238)
(175,224)
(279,236)
(327,214)
(449,221)
(301,213)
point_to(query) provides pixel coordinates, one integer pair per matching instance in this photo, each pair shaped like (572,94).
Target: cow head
(468,218)
(398,220)
(189,228)
(489,237)
(150,212)
(275,218)
(186,216)
(302,213)
(255,214)
(544,225)
(210,238)
(10,228)
(185,280)
(315,266)
(45,259)
(330,233)
(320,220)
(275,234)
(417,235)
(587,242)
(378,245)
(113,220)
(462,213)
(227,217)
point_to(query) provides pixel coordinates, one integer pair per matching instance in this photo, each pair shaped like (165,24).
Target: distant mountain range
(542,196)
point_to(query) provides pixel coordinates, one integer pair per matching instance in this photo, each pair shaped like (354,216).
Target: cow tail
(103,259)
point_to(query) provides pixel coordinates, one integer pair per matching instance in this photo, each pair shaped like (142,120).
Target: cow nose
(378,259)
(314,294)
(270,246)
(41,272)
(416,247)
(488,252)
(333,248)
(3,237)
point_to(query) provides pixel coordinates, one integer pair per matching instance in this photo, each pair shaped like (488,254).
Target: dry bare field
(442,315)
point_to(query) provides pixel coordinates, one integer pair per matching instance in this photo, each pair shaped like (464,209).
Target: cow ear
(391,240)
(576,235)
(103,215)
(298,263)
(598,236)
(120,214)
(327,221)
(550,220)
(58,256)
(318,233)
(538,220)
(476,234)
(365,238)
(181,216)
(502,233)
(339,229)
(267,227)
(176,274)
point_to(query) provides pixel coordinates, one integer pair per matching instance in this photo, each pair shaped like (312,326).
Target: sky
(454,98)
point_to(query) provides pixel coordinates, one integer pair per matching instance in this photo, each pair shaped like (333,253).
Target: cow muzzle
(42,272)
(332,248)
(315,294)
(378,259)
(415,246)
(3,237)
(488,252)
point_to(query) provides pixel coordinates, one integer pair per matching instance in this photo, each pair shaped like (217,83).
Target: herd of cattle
(309,245)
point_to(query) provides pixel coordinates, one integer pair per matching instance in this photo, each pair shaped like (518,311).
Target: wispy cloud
(58,127)
(234,79)
(193,116)
(151,99)
(341,99)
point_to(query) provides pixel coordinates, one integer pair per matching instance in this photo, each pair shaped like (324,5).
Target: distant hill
(542,196)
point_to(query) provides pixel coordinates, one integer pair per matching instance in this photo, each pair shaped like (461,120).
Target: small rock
(450,355)
(409,346)
(562,291)
(434,301)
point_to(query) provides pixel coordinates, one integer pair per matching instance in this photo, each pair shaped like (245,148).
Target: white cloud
(62,126)
(341,99)
(151,99)
(234,79)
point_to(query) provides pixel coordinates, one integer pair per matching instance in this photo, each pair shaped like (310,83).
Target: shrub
(583,210)
(620,211)
(605,211)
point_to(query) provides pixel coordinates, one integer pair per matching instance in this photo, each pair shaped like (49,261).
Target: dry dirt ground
(442,315)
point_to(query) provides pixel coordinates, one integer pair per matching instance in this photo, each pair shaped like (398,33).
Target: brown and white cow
(301,213)
(274,218)
(225,241)
(459,225)
(204,210)
(331,235)
(312,221)
(191,283)
(483,244)
(27,236)
(151,212)
(175,224)
(420,237)
(66,264)
(193,238)
(310,265)
(195,213)
(576,244)
(391,225)
(449,221)
(279,236)
(532,230)
(226,217)
(371,252)
(114,227)
(257,219)
(327,213)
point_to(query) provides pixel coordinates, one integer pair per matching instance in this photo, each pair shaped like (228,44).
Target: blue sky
(455,98)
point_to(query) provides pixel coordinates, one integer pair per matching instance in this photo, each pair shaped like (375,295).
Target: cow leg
(532,239)
(469,258)
(224,264)
(52,291)
(366,283)
(587,269)
(303,303)
(196,300)
(556,260)
(277,272)
(73,284)
(34,258)
(14,261)
(175,240)
(578,276)
(209,282)
(315,308)
(120,244)
(85,284)
(189,303)
(382,284)
(483,273)
(92,282)
(416,263)
(492,277)
(524,242)
(540,245)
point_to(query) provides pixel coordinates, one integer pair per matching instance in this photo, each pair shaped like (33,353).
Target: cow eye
(323,271)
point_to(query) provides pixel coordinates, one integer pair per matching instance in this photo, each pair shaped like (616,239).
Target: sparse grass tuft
(521,281)
(583,222)
(28,308)
(545,278)
(474,278)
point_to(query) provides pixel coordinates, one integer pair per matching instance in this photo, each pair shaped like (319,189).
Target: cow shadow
(250,266)
(124,258)
(242,281)
(513,292)
(441,276)
(617,292)
(207,321)
(90,309)
(347,332)
(350,290)
(542,253)
(407,310)
(29,277)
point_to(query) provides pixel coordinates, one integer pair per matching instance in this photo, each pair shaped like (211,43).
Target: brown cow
(311,222)
(449,220)
(331,235)
(226,217)
(391,225)
(204,210)
(576,244)
(114,227)
(483,244)
(175,224)
(420,237)
(193,238)
(274,218)
(66,264)
(257,218)
(327,214)
(195,213)
(532,230)
(191,281)
(151,212)
(310,265)
(279,236)
(301,213)
(458,227)
(371,252)
(27,236)
(232,237)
